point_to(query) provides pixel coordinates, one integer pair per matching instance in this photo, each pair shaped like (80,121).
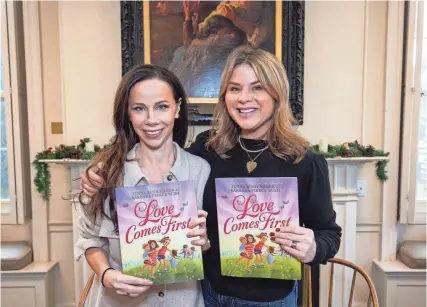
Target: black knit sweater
(315,209)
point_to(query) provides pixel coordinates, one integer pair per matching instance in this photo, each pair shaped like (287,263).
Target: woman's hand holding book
(198,227)
(297,241)
(126,284)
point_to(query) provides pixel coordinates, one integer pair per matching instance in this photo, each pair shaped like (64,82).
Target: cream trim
(35,122)
(391,127)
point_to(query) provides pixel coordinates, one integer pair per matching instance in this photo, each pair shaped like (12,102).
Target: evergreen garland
(42,177)
(354,149)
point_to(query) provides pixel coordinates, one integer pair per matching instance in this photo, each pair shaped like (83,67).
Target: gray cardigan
(101,234)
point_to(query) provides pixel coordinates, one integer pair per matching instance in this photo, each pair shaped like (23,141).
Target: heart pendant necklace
(251,165)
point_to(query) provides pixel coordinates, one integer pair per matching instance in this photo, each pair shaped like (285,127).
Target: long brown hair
(125,138)
(282,139)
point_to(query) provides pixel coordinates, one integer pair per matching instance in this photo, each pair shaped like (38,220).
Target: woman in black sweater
(253,127)
(253,136)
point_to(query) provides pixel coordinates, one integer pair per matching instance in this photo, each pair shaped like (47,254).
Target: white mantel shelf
(341,160)
(343,176)
(356,159)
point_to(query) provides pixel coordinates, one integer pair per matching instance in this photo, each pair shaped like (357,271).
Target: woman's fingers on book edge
(199,242)
(132,290)
(196,233)
(292,229)
(120,292)
(283,242)
(202,213)
(289,236)
(132,280)
(198,222)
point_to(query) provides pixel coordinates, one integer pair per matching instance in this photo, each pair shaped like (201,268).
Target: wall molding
(368,227)
(391,128)
(35,122)
(60,226)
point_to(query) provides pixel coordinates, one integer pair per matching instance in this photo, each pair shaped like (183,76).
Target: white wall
(90,47)
(345,99)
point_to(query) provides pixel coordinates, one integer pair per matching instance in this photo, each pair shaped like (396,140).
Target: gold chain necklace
(251,164)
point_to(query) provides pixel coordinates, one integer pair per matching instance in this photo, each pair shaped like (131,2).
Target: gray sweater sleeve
(201,180)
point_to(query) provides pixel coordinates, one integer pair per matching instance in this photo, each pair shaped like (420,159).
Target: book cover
(249,209)
(153,222)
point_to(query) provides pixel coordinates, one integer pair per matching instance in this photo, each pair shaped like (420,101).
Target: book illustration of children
(243,241)
(146,248)
(183,252)
(284,253)
(152,258)
(174,260)
(190,252)
(242,250)
(249,251)
(258,248)
(162,252)
(270,258)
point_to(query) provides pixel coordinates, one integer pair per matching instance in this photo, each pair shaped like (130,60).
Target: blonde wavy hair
(282,139)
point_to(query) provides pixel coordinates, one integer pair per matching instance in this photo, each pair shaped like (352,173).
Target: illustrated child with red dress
(258,248)
(162,252)
(152,258)
(249,251)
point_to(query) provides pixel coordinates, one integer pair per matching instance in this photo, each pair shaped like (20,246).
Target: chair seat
(15,255)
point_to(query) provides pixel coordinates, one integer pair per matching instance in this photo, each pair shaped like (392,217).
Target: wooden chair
(372,299)
(86,289)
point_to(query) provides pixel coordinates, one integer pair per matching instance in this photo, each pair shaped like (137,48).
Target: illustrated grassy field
(186,269)
(282,268)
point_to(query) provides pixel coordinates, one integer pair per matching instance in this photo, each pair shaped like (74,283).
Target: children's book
(249,211)
(153,222)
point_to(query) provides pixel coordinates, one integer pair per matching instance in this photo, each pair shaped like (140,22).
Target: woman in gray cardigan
(150,119)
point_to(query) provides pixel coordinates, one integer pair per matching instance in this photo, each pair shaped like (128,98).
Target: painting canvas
(194,38)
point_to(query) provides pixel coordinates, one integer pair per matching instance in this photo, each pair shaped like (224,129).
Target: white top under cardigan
(101,234)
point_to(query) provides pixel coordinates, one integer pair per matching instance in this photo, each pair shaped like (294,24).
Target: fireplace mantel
(343,174)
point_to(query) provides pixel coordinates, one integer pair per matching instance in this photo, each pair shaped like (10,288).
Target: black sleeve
(197,148)
(317,212)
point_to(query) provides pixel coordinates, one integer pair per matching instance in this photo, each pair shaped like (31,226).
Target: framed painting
(193,39)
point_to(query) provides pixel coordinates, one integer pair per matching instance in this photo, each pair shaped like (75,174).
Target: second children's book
(249,209)
(153,223)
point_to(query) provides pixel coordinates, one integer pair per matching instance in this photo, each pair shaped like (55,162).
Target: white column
(82,270)
(343,175)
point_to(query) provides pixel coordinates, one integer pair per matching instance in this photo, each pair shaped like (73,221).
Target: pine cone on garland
(76,155)
(346,153)
(369,151)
